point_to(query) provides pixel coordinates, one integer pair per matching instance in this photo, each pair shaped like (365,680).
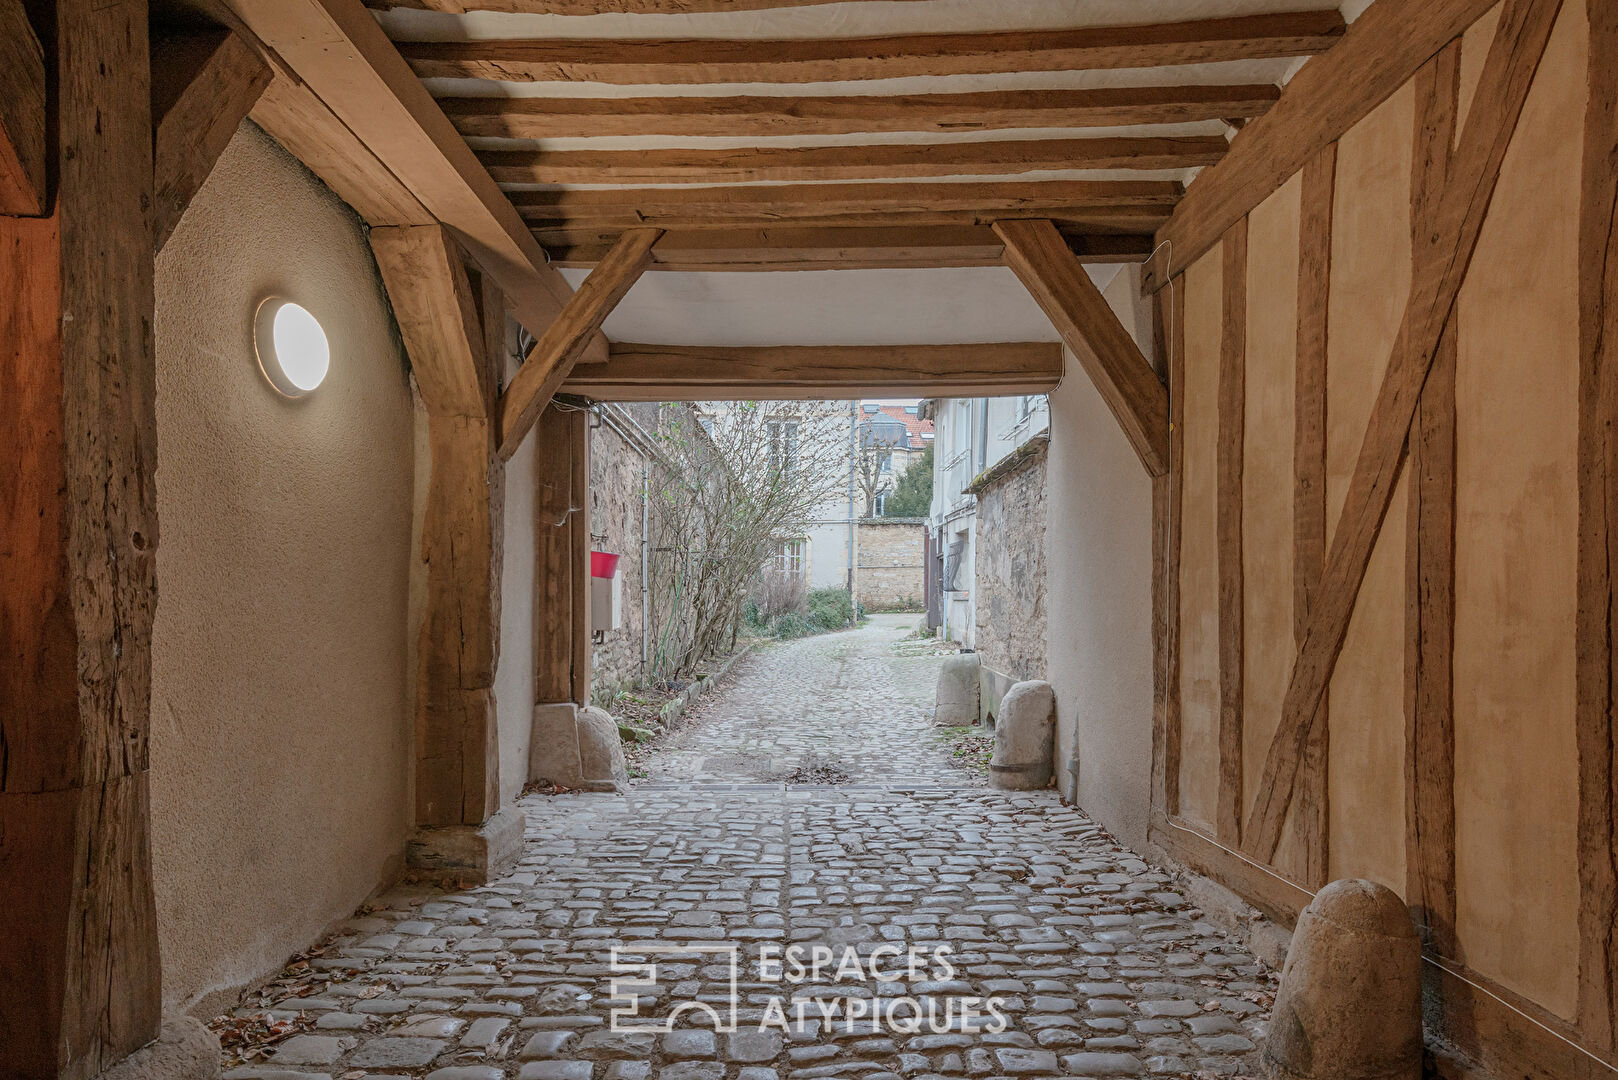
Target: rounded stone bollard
(957,701)
(601,752)
(1024,738)
(1349,1007)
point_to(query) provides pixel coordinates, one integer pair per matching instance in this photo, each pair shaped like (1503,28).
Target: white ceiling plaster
(831,307)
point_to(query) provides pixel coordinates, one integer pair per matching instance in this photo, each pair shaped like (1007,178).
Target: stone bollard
(957,701)
(1024,738)
(1349,1007)
(601,752)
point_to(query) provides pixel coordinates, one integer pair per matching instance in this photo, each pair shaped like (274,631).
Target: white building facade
(971,436)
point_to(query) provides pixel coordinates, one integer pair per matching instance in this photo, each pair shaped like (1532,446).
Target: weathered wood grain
(203,85)
(1232,410)
(567,338)
(842,114)
(1173,736)
(854,162)
(1597,686)
(665,62)
(1386,45)
(1309,485)
(1037,254)
(1440,265)
(22,113)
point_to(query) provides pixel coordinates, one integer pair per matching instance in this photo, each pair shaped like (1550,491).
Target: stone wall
(616,487)
(1009,564)
(890,570)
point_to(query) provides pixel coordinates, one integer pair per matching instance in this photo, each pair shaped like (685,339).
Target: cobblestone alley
(1099,964)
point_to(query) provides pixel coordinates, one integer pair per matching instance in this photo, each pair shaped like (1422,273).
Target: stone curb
(676,708)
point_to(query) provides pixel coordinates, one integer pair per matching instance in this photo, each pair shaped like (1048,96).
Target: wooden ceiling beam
(693,61)
(1378,54)
(555,118)
(798,248)
(882,161)
(339,53)
(204,83)
(1141,218)
(596,7)
(638,372)
(564,343)
(1037,254)
(947,203)
(22,114)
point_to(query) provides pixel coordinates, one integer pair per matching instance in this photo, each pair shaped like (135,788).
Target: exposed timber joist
(875,162)
(597,7)
(338,51)
(22,114)
(685,62)
(554,118)
(203,84)
(564,342)
(1119,203)
(811,248)
(1376,56)
(1439,268)
(637,372)
(1040,257)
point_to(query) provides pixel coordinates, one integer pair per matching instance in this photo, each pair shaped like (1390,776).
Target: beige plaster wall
(1098,544)
(280,721)
(514,676)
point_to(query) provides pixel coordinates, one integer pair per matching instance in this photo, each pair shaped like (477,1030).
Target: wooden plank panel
(1309,486)
(868,162)
(1228,511)
(674,62)
(1037,254)
(1598,535)
(639,372)
(557,118)
(555,353)
(22,113)
(1430,564)
(1378,54)
(204,84)
(1516,507)
(1441,265)
(840,248)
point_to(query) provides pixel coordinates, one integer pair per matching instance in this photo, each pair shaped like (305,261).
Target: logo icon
(640,986)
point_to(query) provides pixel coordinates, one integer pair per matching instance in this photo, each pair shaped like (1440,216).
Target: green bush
(792,625)
(830,609)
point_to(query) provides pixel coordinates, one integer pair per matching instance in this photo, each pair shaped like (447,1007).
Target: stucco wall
(1009,573)
(1098,531)
(514,676)
(280,721)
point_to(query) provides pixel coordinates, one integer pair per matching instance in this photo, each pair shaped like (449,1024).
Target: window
(885,462)
(788,558)
(952,562)
(1025,407)
(882,504)
(783,436)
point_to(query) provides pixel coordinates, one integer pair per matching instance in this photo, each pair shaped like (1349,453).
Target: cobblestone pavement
(808,705)
(1098,963)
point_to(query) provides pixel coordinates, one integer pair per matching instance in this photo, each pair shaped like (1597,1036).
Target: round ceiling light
(292,349)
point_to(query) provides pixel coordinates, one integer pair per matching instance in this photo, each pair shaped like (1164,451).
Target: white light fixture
(292,349)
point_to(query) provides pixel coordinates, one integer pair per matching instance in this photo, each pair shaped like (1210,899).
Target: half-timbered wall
(1448,758)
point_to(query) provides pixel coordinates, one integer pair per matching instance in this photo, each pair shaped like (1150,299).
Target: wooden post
(462,834)
(562,557)
(80,986)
